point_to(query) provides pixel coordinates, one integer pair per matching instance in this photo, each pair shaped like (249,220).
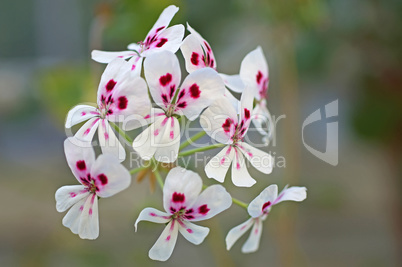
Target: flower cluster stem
(192,140)
(121,132)
(205,148)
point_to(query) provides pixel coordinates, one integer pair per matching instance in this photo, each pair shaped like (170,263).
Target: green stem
(205,148)
(134,171)
(121,132)
(239,203)
(158,178)
(192,140)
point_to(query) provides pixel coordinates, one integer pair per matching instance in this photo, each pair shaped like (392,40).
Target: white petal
(109,142)
(79,114)
(236,232)
(211,201)
(253,241)
(192,53)
(192,232)
(219,120)
(106,57)
(80,157)
(88,227)
(152,215)
(294,193)
(253,64)
(162,72)
(263,121)
(73,216)
(233,82)
(169,40)
(87,131)
(134,46)
(264,200)
(67,196)
(136,65)
(182,187)
(164,18)
(218,166)
(261,160)
(163,248)
(169,141)
(198,91)
(110,176)
(240,175)
(233,100)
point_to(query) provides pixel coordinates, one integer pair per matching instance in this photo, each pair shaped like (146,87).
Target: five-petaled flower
(159,38)
(259,209)
(183,205)
(121,98)
(254,76)
(198,90)
(102,177)
(222,123)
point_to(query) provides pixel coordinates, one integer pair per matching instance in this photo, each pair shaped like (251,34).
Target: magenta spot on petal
(244,226)
(83,113)
(256,231)
(162,42)
(110,85)
(223,160)
(203,209)
(178,197)
(106,136)
(195,91)
(189,231)
(266,204)
(133,67)
(171,135)
(81,165)
(87,131)
(194,58)
(102,178)
(156,132)
(90,211)
(259,77)
(226,125)
(72,194)
(152,214)
(164,121)
(81,208)
(147,116)
(166,79)
(247,113)
(238,166)
(168,238)
(122,102)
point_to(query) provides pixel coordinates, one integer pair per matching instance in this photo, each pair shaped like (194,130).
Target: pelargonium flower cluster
(143,88)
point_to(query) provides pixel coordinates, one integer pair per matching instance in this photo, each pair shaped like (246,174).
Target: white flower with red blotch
(259,209)
(198,54)
(223,123)
(254,75)
(159,38)
(102,177)
(121,97)
(198,90)
(184,203)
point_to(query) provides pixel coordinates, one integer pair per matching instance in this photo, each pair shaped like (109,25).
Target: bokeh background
(318,51)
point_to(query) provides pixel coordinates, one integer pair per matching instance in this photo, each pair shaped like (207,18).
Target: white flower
(101,178)
(183,205)
(198,91)
(222,122)
(259,209)
(159,38)
(255,76)
(119,95)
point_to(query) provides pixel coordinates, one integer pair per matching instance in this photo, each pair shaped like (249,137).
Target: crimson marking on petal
(171,91)
(212,63)
(152,214)
(172,210)
(156,132)
(194,58)
(189,211)
(164,97)
(259,77)
(102,178)
(164,121)
(203,209)
(171,135)
(81,165)
(110,85)
(160,28)
(247,113)
(147,116)
(122,102)
(189,231)
(162,42)
(182,105)
(266,204)
(181,94)
(206,44)
(178,197)
(72,194)
(195,91)
(166,79)
(226,125)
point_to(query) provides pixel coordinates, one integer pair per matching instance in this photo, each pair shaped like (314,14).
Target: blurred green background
(318,51)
